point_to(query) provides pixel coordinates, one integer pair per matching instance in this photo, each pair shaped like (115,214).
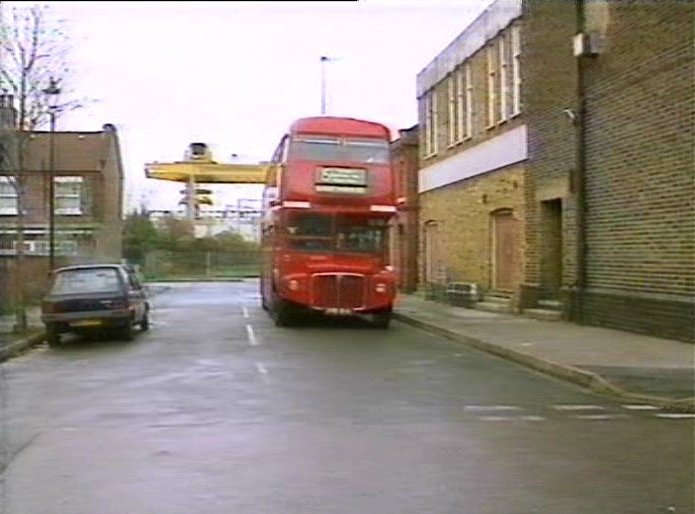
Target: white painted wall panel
(503,150)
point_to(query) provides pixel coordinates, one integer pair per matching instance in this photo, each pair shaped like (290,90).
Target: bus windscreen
(336,233)
(323,148)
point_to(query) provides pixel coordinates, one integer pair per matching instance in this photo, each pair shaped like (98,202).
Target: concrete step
(543,314)
(496,299)
(494,306)
(550,304)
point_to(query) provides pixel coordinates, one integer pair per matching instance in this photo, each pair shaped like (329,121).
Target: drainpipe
(580,176)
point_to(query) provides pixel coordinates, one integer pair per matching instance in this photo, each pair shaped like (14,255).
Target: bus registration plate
(339,311)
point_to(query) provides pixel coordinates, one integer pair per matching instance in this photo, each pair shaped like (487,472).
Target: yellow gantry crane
(198,167)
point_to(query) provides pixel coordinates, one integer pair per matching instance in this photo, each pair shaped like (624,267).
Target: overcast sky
(236,74)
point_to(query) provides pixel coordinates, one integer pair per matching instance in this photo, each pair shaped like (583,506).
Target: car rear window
(104,280)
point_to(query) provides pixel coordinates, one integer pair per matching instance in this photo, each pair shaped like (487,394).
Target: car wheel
(127,333)
(52,335)
(145,323)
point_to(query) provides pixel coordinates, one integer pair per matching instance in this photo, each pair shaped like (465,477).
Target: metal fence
(164,264)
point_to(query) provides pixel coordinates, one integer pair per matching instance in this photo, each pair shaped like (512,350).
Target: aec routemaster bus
(327,204)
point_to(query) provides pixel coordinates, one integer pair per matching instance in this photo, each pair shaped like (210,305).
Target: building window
(503,79)
(461,103)
(68,196)
(468,132)
(516,70)
(457,106)
(452,125)
(430,146)
(491,85)
(8,197)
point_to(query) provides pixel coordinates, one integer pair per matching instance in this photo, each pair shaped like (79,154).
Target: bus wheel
(381,319)
(282,314)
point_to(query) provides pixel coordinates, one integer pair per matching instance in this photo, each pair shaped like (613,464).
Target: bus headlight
(381,288)
(293,285)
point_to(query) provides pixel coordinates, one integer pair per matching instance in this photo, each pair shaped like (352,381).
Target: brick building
(606,101)
(404,237)
(88,198)
(473,150)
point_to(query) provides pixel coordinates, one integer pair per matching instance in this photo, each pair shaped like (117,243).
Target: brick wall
(463,213)
(463,210)
(549,81)
(640,185)
(404,239)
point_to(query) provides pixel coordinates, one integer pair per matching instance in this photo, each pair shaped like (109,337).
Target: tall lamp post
(52,92)
(323,60)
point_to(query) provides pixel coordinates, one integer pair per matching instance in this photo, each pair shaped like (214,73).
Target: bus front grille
(338,290)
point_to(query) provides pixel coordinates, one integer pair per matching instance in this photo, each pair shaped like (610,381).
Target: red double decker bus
(327,205)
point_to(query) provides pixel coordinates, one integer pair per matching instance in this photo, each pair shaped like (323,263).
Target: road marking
(641,407)
(251,335)
(600,417)
(261,368)
(675,416)
(578,407)
(511,418)
(486,408)
(245,311)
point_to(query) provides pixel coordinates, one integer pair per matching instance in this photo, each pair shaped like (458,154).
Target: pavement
(632,367)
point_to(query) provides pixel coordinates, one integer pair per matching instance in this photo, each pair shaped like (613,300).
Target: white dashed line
(600,417)
(511,418)
(261,368)
(488,408)
(251,335)
(676,416)
(245,312)
(578,407)
(640,407)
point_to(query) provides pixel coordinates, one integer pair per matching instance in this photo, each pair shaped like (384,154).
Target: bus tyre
(282,314)
(381,319)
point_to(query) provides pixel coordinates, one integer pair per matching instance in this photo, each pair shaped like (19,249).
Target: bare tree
(33,61)
(35,51)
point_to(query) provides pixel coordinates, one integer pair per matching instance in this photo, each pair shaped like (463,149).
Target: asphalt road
(216,411)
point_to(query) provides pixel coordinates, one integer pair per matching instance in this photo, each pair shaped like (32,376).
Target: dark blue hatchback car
(95,297)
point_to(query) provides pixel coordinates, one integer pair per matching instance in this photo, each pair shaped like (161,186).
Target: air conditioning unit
(587,44)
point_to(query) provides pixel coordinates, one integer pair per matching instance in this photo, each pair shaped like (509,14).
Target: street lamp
(324,59)
(52,92)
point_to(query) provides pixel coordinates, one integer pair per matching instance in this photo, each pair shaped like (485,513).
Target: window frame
(58,195)
(9,194)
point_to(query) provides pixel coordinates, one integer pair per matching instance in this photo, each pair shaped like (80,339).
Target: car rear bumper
(89,319)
